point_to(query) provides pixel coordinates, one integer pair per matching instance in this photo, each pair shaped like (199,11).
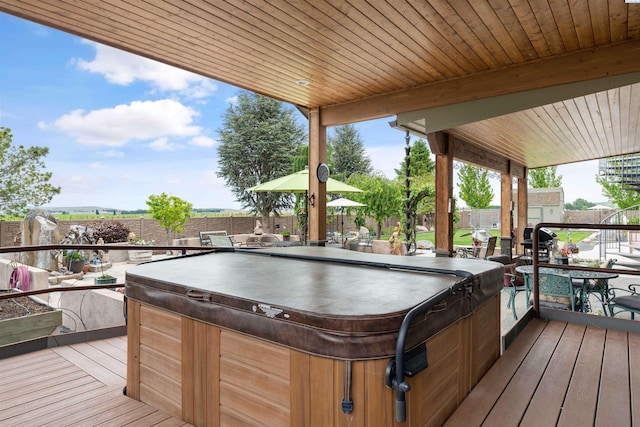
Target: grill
(547,239)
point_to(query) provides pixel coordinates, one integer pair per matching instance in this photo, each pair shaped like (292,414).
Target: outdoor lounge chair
(621,300)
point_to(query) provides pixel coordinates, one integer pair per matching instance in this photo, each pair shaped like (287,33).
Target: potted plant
(105,279)
(74,261)
(286,235)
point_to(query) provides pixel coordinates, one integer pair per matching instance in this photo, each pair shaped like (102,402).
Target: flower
(564,252)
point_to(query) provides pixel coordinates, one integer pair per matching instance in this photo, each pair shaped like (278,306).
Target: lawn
(460,240)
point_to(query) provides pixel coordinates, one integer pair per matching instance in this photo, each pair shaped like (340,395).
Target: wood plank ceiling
(371,59)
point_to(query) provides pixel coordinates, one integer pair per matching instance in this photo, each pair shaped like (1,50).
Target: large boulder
(39,227)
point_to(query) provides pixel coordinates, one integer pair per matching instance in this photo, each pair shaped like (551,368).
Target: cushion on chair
(629,301)
(518,278)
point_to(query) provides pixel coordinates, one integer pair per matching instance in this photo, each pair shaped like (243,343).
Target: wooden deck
(74,385)
(559,374)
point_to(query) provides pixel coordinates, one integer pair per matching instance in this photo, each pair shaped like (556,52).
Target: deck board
(73,385)
(565,375)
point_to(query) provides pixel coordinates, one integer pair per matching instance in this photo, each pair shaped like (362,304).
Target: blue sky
(120,127)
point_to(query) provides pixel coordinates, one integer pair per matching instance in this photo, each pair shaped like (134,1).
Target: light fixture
(632,1)
(302,82)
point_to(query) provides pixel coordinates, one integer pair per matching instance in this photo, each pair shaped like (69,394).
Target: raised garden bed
(25,318)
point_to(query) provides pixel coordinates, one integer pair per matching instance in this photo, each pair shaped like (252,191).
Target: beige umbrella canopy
(343,203)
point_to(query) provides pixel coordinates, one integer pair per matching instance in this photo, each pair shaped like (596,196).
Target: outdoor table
(584,275)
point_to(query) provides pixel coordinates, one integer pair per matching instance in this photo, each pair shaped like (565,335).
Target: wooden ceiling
(540,82)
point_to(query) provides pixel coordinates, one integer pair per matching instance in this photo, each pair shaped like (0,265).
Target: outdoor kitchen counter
(244,313)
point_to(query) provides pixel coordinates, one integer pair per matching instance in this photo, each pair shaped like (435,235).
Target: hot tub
(310,336)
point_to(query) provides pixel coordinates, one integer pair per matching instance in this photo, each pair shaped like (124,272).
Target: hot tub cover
(325,301)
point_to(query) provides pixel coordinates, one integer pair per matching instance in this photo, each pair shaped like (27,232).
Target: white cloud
(232,100)
(140,120)
(112,153)
(123,68)
(203,141)
(163,144)
(97,166)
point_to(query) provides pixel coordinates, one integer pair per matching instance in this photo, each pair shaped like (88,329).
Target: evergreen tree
(475,188)
(22,181)
(348,153)
(258,139)
(421,163)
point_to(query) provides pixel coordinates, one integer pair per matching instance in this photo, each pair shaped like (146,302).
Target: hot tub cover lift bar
(416,359)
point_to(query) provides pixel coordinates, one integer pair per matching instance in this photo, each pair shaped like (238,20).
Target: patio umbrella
(343,203)
(298,182)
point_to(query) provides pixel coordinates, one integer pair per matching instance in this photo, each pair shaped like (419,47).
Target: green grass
(460,240)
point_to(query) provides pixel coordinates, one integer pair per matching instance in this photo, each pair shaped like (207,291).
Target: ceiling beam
(423,122)
(582,66)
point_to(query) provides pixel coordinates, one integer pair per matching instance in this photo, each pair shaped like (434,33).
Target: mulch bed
(20,306)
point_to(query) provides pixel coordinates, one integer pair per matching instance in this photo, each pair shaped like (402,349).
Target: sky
(120,127)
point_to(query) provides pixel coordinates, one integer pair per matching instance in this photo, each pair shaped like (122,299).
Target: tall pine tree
(258,138)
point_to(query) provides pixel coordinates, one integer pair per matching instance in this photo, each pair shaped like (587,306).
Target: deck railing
(609,229)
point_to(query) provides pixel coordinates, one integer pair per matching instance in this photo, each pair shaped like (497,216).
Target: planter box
(138,256)
(105,280)
(29,327)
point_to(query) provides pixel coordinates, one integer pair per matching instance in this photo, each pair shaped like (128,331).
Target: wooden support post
(441,144)
(506,213)
(317,196)
(523,207)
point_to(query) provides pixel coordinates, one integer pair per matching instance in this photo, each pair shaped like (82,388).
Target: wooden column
(317,203)
(523,208)
(506,213)
(441,144)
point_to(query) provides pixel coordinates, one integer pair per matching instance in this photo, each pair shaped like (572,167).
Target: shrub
(110,231)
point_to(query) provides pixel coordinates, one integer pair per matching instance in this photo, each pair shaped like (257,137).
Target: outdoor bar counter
(310,336)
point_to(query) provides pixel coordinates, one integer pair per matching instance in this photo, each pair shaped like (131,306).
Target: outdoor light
(302,82)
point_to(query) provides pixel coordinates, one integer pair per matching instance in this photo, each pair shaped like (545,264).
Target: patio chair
(514,282)
(557,291)
(366,242)
(621,300)
(489,248)
(599,287)
(268,239)
(253,242)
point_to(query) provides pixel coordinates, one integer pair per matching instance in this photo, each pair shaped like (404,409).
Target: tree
(258,138)
(420,162)
(621,196)
(171,212)
(419,199)
(381,196)
(348,153)
(22,179)
(545,177)
(578,204)
(475,188)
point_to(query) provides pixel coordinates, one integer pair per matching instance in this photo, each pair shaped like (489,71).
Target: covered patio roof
(540,83)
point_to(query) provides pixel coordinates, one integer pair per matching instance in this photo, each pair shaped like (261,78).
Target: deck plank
(522,387)
(582,394)
(86,363)
(40,407)
(546,405)
(614,408)
(68,387)
(479,402)
(634,377)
